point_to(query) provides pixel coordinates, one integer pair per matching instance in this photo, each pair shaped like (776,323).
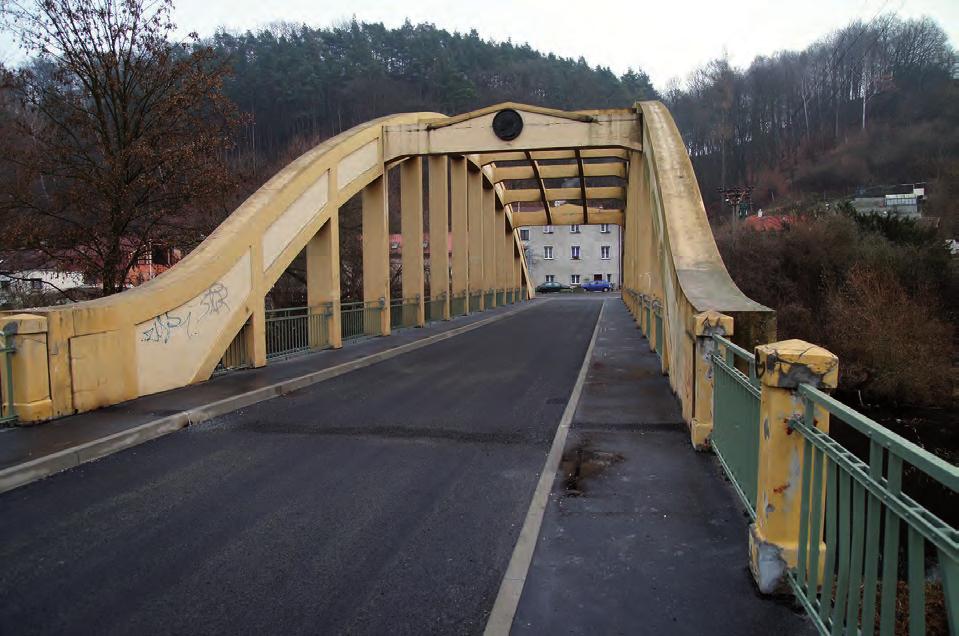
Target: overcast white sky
(667,38)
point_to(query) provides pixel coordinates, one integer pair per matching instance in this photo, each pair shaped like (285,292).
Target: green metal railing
(735,436)
(236,355)
(476,299)
(459,304)
(658,309)
(435,307)
(8,413)
(489,298)
(632,300)
(292,330)
(648,306)
(404,312)
(864,506)
(359,319)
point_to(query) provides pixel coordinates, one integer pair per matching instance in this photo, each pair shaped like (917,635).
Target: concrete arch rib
(680,266)
(172,331)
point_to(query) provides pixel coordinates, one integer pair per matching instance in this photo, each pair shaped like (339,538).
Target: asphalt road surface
(384,501)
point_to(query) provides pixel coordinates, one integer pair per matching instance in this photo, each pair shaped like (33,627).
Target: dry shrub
(771,184)
(891,345)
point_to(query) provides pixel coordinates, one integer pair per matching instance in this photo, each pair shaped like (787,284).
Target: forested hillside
(871,103)
(300,82)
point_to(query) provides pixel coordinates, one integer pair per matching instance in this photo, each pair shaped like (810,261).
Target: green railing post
(660,336)
(774,537)
(735,433)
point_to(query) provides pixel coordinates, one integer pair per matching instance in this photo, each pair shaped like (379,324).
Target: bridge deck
(22,444)
(388,500)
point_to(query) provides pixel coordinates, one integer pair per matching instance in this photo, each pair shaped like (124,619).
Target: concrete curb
(511,589)
(30,471)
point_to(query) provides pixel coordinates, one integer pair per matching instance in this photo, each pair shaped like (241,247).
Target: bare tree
(123,134)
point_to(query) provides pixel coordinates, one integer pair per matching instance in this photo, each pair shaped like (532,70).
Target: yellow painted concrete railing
(670,256)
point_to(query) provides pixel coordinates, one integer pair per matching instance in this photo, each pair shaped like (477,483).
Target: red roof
(766,223)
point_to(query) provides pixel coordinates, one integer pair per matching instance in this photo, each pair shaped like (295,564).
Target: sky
(667,38)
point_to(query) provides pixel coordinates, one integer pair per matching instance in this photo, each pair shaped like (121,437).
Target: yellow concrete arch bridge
(763,406)
(175,330)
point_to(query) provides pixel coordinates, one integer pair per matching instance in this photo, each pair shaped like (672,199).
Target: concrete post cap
(789,363)
(712,322)
(23,324)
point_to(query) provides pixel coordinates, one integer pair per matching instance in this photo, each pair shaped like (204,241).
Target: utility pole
(739,199)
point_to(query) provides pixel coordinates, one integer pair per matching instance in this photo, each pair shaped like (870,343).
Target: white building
(573,254)
(26,275)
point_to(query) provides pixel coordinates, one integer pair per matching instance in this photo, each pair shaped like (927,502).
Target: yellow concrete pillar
(59,331)
(458,216)
(255,333)
(376,254)
(411,222)
(705,326)
(632,220)
(323,281)
(439,233)
(474,213)
(27,333)
(502,249)
(774,537)
(489,244)
(517,267)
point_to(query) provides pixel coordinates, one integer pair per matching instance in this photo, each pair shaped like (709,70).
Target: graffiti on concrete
(188,318)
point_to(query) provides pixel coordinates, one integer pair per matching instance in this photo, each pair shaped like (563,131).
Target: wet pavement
(642,535)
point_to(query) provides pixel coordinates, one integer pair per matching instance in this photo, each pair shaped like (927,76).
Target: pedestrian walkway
(22,444)
(642,535)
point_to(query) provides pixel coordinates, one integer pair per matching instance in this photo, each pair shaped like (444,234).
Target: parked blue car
(597,285)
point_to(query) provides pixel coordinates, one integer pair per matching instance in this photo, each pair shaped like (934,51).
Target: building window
(604,228)
(574,252)
(36,284)
(604,252)
(550,278)
(609,278)
(524,235)
(548,252)
(5,285)
(574,279)
(547,229)
(574,229)
(161,256)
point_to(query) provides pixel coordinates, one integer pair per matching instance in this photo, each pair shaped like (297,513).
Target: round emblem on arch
(508,124)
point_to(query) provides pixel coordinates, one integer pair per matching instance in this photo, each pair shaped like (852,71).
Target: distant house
(902,201)
(767,223)
(31,275)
